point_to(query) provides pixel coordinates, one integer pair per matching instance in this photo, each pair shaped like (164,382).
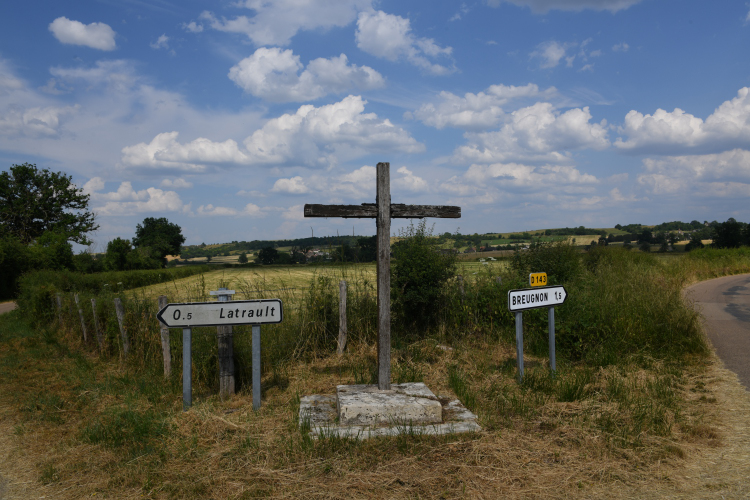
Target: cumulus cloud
(551,53)
(161,43)
(128,201)
(475,111)
(315,137)
(410,182)
(165,151)
(486,184)
(274,74)
(34,122)
(210,210)
(178,183)
(295,185)
(389,37)
(544,6)
(677,131)
(535,133)
(702,175)
(275,23)
(95,35)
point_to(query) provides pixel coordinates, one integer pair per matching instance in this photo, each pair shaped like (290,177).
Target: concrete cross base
(363,411)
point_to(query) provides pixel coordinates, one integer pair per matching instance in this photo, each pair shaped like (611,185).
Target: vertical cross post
(383,223)
(383,211)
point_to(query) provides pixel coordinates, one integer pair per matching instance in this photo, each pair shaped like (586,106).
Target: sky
(226,117)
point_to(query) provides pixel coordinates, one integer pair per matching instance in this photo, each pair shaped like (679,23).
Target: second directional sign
(547,296)
(236,312)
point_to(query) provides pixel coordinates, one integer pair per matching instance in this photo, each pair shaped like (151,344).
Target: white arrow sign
(547,296)
(236,312)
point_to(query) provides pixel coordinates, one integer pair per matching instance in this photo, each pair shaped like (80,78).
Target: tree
(116,258)
(243,258)
(161,236)
(728,234)
(268,255)
(34,201)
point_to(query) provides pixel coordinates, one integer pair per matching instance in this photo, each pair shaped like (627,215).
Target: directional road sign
(236,312)
(530,298)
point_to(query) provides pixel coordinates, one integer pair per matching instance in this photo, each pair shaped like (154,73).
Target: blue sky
(227,117)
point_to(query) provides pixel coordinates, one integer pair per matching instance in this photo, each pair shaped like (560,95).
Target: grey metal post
(551,321)
(342,318)
(187,371)
(519,345)
(256,367)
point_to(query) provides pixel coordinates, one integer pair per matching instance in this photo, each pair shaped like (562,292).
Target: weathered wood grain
(120,311)
(166,350)
(342,317)
(370,210)
(383,222)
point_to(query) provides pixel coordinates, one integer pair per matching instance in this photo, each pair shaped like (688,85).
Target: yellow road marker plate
(538,279)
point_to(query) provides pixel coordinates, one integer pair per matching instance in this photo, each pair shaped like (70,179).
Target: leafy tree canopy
(163,237)
(34,201)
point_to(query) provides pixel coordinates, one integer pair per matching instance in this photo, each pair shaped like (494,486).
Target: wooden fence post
(461,287)
(83,323)
(59,308)
(97,330)
(166,351)
(499,280)
(123,332)
(342,317)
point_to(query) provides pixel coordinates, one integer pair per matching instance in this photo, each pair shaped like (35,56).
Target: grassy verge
(628,404)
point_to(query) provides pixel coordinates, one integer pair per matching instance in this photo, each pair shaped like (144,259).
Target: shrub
(419,274)
(560,260)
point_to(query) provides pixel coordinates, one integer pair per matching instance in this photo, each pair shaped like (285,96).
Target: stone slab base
(367,405)
(361,412)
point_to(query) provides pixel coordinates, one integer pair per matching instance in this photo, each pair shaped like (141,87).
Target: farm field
(249,281)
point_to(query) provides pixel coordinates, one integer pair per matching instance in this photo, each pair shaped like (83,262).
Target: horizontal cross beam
(369,210)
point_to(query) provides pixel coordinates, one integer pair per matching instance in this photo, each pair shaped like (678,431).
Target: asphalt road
(7,307)
(725,306)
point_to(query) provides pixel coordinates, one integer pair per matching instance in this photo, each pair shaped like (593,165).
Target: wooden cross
(383,211)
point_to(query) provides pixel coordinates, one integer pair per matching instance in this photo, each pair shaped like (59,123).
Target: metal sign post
(239,312)
(187,369)
(532,298)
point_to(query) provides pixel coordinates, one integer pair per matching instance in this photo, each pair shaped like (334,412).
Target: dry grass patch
(535,443)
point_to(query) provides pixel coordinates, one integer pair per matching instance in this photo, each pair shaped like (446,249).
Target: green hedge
(37,289)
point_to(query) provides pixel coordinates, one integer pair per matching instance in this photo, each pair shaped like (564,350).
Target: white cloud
(409,181)
(319,136)
(543,6)
(389,37)
(295,185)
(34,122)
(315,137)
(192,27)
(95,35)
(164,151)
(178,183)
(621,47)
(475,111)
(273,74)
(703,175)
(161,43)
(127,201)
(210,210)
(535,133)
(276,22)
(677,131)
(295,213)
(490,184)
(253,210)
(550,53)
